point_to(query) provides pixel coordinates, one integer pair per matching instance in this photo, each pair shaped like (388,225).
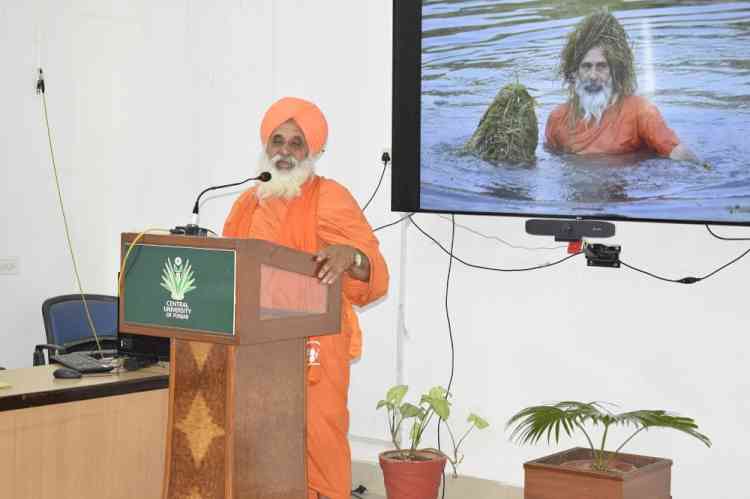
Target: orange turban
(307,116)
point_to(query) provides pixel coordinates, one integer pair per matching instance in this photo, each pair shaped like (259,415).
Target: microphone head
(264,177)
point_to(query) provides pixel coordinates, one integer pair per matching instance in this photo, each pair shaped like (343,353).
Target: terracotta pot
(412,479)
(564,476)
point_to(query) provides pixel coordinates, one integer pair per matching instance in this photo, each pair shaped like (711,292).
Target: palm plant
(533,423)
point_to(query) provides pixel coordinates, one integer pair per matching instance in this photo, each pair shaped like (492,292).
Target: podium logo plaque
(181,287)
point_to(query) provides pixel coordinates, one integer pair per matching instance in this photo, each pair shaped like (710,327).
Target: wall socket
(383,151)
(9,265)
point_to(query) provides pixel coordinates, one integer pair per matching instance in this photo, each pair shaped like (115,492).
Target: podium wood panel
(198,429)
(237,423)
(270,423)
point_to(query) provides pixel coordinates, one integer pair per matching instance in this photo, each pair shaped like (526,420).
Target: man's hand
(339,258)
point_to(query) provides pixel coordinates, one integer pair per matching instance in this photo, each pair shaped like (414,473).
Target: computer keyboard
(81,362)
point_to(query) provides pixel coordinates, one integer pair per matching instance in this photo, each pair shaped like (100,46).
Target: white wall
(577,333)
(147,105)
(150,104)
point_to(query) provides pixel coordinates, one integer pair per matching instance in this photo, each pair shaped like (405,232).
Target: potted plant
(412,472)
(595,472)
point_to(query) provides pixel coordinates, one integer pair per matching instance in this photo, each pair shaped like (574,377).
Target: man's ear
(315,157)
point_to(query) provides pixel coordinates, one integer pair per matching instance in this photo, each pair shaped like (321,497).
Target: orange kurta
(634,125)
(324,214)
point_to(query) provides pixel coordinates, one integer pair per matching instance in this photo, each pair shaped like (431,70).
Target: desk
(100,436)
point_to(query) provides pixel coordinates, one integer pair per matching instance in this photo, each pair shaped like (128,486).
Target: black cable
(687,280)
(472,265)
(725,265)
(450,328)
(394,223)
(684,280)
(385,158)
(665,279)
(359,491)
(447,312)
(725,238)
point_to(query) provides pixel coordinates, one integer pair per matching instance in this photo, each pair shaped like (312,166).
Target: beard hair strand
(285,184)
(593,104)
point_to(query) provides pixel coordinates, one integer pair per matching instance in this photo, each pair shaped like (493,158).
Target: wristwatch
(357,258)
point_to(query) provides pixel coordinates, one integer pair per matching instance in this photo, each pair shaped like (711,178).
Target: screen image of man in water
(602,114)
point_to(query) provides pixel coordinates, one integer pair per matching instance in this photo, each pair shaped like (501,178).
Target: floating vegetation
(508,131)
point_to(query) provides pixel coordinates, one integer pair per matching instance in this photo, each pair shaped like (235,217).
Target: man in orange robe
(299,209)
(602,116)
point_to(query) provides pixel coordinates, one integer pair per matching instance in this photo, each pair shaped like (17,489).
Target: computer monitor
(142,346)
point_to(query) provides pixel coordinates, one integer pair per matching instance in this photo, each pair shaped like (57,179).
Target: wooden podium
(237,312)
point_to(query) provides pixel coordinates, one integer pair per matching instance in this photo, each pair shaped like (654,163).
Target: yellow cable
(67,233)
(127,254)
(67,230)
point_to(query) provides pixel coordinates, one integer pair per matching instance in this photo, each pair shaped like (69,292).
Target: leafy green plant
(533,423)
(433,403)
(457,458)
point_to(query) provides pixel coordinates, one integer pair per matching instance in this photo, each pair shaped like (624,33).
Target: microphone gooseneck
(263,177)
(193,229)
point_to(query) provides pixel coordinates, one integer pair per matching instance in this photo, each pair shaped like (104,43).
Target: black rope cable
(688,280)
(393,223)
(497,269)
(725,238)
(450,328)
(386,158)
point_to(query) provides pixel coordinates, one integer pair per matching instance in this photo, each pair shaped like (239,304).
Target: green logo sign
(176,279)
(181,287)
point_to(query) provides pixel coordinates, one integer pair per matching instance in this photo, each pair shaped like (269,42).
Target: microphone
(193,229)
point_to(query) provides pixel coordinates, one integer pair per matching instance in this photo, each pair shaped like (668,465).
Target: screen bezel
(407,101)
(406,128)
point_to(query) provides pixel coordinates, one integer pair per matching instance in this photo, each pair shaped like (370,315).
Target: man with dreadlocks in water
(602,114)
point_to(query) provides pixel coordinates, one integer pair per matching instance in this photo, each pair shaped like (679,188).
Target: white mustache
(594,98)
(289,159)
(593,87)
(286,182)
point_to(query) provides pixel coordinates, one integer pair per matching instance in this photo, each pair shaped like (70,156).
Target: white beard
(593,103)
(284,183)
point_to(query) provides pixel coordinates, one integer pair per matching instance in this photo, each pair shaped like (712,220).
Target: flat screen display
(616,110)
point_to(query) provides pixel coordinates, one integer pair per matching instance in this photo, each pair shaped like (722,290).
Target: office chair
(68,329)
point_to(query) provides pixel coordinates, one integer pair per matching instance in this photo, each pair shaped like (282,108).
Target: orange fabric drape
(325,213)
(635,124)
